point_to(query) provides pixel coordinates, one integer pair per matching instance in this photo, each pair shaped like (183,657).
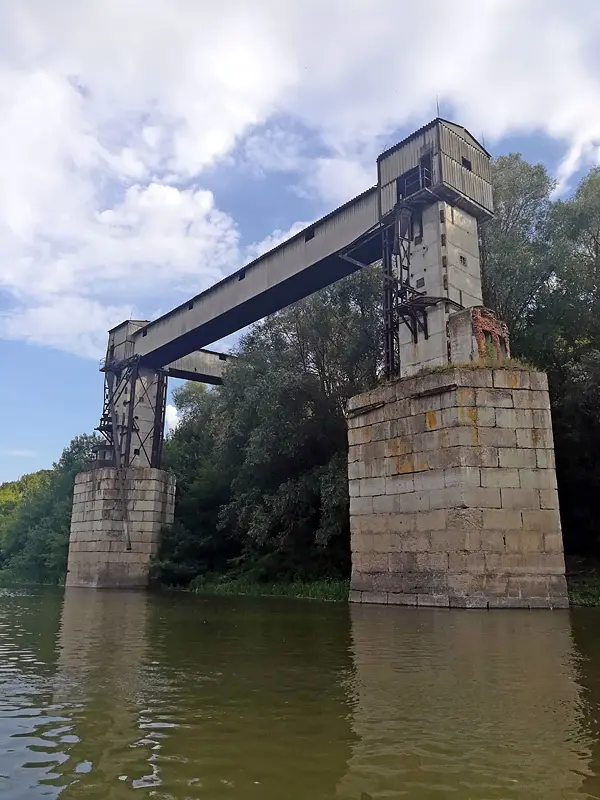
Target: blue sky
(139,169)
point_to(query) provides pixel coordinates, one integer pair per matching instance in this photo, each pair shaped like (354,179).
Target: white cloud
(171,417)
(17,453)
(65,322)
(112,110)
(275,150)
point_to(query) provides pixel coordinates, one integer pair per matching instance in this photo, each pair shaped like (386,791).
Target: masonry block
(453,496)
(101,554)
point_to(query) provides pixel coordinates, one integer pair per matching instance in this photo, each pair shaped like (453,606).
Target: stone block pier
(105,552)
(453,498)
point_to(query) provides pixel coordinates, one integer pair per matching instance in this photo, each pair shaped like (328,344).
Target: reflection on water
(482,705)
(175,697)
(102,678)
(120,695)
(587,643)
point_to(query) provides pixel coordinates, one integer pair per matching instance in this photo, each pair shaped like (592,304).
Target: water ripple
(110,695)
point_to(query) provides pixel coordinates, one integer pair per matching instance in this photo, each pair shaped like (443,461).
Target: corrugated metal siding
(468,183)
(464,134)
(388,197)
(437,172)
(407,157)
(456,147)
(341,229)
(332,234)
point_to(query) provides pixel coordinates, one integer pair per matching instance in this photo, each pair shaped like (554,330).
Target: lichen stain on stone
(431,420)
(468,415)
(404,465)
(513,380)
(535,436)
(399,447)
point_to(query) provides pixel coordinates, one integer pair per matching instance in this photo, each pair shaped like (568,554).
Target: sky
(148,148)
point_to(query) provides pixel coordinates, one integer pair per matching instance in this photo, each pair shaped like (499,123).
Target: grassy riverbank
(585,592)
(583,579)
(584,588)
(332,590)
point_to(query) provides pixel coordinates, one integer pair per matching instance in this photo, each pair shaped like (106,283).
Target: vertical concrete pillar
(453,498)
(103,552)
(444,263)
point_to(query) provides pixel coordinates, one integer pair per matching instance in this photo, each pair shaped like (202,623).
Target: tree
(194,544)
(521,247)
(284,433)
(261,462)
(35,539)
(541,274)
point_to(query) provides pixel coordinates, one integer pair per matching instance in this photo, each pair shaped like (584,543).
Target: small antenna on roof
(437,103)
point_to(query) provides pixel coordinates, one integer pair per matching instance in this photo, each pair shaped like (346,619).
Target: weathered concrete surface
(445,264)
(98,554)
(453,497)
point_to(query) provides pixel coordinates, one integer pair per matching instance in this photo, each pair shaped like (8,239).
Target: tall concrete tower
(453,498)
(434,188)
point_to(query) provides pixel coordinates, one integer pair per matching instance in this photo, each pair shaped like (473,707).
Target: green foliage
(34,524)
(518,247)
(12,495)
(335,590)
(261,463)
(583,580)
(542,273)
(491,363)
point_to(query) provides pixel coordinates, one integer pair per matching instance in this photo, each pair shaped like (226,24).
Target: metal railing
(421,181)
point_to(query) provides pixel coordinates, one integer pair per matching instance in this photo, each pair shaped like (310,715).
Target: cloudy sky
(149,147)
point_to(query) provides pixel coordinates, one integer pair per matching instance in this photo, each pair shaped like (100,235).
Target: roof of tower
(459,130)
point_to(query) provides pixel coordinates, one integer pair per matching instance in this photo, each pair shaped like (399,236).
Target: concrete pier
(103,551)
(453,498)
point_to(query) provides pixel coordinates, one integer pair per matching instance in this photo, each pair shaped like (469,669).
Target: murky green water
(118,695)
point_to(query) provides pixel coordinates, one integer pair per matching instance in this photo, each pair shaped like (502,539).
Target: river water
(132,695)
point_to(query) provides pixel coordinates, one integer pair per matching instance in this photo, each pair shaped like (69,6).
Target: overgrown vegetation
(35,515)
(517,364)
(261,462)
(325,589)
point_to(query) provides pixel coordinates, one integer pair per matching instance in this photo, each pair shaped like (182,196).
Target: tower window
(466,163)
(463,260)
(443,240)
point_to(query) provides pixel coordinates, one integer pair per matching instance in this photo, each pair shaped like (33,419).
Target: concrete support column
(453,498)
(99,554)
